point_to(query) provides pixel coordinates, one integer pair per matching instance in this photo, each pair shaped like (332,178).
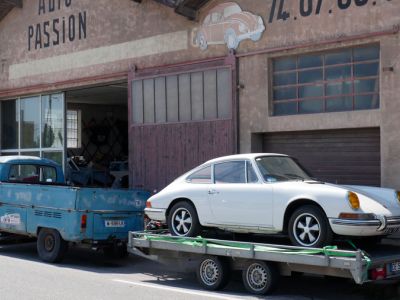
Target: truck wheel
(50,245)
(260,278)
(309,227)
(183,220)
(213,273)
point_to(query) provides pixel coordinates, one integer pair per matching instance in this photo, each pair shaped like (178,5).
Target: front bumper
(380,226)
(157,214)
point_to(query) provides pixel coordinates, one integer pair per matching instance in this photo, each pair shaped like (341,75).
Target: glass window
(201,176)
(9,124)
(339,80)
(230,172)
(251,174)
(280,168)
(52,120)
(32,174)
(56,156)
(74,128)
(30,122)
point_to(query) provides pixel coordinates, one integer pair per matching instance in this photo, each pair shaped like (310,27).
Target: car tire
(231,39)
(183,220)
(213,273)
(260,278)
(50,245)
(309,227)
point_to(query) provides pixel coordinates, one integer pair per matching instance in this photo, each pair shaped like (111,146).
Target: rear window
(32,174)
(201,176)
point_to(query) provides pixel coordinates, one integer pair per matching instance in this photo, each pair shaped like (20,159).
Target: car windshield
(280,168)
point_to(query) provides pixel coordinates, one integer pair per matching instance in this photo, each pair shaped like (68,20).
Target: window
(32,174)
(73,128)
(230,172)
(201,176)
(251,174)
(33,126)
(340,80)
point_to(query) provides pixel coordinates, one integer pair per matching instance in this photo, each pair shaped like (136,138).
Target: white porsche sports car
(272,193)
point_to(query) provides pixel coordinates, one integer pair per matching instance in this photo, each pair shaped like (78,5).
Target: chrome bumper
(381,223)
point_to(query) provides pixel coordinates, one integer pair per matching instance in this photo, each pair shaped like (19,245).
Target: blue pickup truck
(36,202)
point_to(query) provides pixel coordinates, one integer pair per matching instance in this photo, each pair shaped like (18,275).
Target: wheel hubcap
(307,230)
(209,272)
(49,243)
(257,277)
(182,221)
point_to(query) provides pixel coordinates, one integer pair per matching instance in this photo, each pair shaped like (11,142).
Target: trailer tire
(213,273)
(183,220)
(260,278)
(50,245)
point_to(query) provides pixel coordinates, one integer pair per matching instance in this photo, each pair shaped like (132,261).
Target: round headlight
(353,200)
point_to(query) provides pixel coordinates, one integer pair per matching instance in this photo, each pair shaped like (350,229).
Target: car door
(238,197)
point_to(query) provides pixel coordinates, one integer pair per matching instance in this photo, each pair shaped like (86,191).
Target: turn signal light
(148,204)
(378,273)
(353,200)
(83,222)
(352,216)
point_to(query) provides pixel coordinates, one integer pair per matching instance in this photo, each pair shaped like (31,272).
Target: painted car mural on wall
(227,24)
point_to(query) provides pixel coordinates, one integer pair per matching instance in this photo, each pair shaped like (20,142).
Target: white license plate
(395,267)
(115,223)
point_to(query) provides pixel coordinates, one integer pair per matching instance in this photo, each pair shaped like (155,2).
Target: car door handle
(213,192)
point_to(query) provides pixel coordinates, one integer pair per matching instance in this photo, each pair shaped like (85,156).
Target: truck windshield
(280,168)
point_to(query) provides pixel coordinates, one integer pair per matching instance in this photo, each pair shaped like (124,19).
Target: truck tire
(260,278)
(213,273)
(50,245)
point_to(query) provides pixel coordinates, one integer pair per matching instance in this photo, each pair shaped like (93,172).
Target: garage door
(337,156)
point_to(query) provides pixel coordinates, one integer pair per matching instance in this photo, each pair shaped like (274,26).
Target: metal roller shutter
(350,156)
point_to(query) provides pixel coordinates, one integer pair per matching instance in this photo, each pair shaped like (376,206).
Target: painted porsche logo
(227,24)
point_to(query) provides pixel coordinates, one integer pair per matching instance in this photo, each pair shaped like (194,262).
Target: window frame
(78,139)
(325,83)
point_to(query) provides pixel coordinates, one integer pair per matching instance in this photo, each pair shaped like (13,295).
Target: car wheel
(50,245)
(183,220)
(309,227)
(260,277)
(213,273)
(231,39)
(202,42)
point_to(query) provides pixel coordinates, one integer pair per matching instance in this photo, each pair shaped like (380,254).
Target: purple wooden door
(180,117)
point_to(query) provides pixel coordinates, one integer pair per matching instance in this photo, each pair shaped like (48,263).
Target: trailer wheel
(50,245)
(260,278)
(213,273)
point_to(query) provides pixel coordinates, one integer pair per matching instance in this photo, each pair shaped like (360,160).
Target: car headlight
(398,196)
(353,200)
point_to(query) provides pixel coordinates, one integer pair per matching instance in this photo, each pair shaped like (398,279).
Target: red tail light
(148,204)
(378,273)
(83,221)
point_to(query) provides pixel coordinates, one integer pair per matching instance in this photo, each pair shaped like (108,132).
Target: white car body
(260,207)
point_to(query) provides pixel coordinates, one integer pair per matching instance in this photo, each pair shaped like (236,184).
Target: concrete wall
(122,33)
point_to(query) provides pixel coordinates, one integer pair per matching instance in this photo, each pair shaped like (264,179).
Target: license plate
(115,223)
(395,267)
(392,230)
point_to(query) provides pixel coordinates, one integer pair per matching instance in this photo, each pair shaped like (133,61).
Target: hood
(384,196)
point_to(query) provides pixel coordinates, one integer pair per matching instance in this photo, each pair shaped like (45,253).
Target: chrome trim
(349,222)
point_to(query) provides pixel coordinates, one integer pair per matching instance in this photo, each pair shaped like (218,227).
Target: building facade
(166,85)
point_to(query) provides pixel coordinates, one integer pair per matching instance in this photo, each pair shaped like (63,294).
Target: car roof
(242,156)
(25,159)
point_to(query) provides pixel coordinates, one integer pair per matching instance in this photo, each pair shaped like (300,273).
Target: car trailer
(261,264)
